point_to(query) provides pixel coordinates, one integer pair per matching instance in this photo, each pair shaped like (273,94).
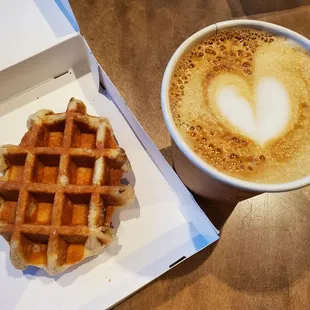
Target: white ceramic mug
(195,173)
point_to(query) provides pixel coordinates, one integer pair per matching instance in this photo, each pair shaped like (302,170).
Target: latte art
(241,101)
(256,122)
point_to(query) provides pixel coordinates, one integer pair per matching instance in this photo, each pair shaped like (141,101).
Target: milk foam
(269,116)
(241,100)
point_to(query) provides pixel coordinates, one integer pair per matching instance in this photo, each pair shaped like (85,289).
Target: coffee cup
(198,174)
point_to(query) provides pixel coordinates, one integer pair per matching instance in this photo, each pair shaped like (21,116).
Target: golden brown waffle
(59,187)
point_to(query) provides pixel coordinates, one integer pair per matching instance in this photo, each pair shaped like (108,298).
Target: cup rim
(176,136)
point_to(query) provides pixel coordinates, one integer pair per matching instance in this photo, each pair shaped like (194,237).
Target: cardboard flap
(34,26)
(65,7)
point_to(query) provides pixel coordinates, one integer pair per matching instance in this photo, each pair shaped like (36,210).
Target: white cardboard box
(44,62)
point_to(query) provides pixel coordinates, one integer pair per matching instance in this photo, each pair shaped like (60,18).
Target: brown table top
(262,260)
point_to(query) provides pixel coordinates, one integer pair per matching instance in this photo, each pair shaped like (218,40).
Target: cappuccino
(241,101)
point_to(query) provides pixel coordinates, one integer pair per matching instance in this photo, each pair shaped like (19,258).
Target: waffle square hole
(8,205)
(16,164)
(51,135)
(46,169)
(83,136)
(71,249)
(115,176)
(34,248)
(39,208)
(111,173)
(75,209)
(81,169)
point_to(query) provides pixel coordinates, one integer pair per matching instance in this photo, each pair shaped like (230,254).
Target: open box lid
(31,26)
(169,224)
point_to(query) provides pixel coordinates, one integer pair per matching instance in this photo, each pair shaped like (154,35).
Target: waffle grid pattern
(59,188)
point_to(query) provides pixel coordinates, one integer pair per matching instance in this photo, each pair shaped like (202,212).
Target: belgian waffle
(59,188)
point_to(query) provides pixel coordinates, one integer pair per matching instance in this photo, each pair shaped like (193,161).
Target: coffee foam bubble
(240,100)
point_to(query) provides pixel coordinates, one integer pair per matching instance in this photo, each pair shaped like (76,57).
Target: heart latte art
(241,100)
(254,120)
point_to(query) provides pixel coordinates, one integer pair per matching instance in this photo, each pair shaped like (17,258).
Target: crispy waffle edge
(59,188)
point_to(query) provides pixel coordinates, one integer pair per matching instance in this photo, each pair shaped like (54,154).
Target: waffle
(59,188)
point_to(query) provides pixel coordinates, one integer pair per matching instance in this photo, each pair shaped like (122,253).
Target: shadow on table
(217,211)
(245,7)
(166,152)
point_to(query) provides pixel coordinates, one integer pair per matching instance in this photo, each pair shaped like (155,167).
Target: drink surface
(241,100)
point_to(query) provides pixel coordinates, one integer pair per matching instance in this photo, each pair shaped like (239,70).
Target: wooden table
(262,260)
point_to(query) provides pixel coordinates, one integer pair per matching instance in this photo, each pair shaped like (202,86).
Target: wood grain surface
(262,260)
